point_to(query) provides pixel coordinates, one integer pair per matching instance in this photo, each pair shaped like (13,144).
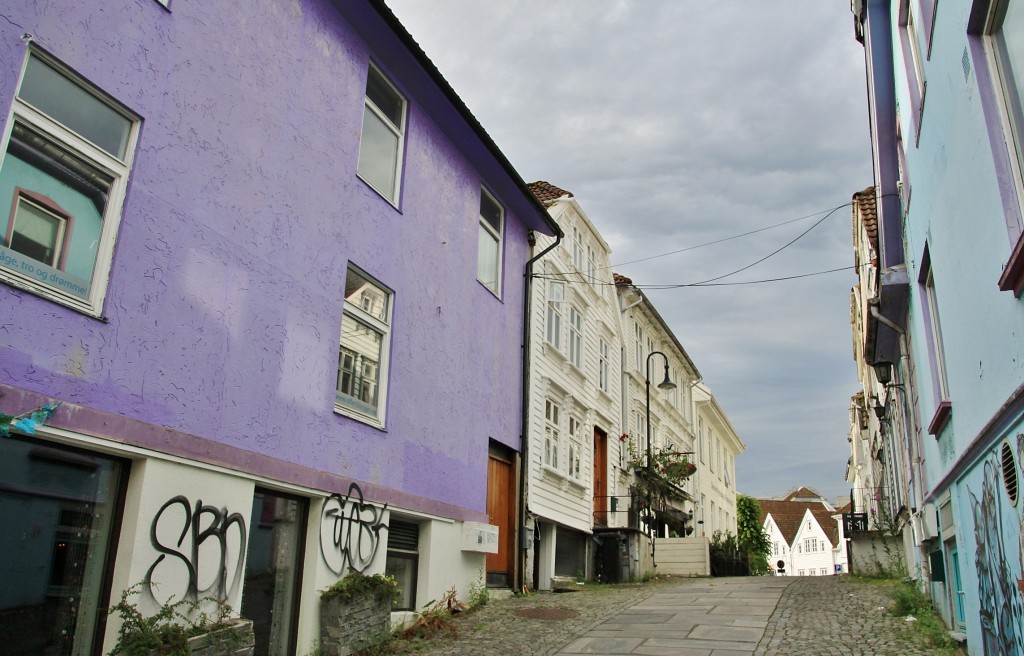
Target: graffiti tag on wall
(202,550)
(350,531)
(1000,589)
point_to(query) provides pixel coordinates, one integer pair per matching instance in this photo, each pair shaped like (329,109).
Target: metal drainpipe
(524,445)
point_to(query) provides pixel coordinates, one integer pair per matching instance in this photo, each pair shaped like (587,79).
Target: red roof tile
(866,203)
(546,192)
(788,515)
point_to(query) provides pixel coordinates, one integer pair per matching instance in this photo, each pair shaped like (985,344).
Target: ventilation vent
(1009,473)
(404,536)
(965,61)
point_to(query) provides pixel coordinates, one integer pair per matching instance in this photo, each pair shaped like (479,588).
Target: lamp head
(883,372)
(666,384)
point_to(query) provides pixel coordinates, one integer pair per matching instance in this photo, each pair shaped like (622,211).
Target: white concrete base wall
(170,555)
(683,556)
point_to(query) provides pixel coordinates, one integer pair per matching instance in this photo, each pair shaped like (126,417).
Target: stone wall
(347,625)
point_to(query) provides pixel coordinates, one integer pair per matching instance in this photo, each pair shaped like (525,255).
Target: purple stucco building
(198,203)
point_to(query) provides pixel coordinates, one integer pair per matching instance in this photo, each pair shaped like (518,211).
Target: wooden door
(501,513)
(600,477)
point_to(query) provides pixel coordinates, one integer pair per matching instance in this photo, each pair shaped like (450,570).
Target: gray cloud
(676,123)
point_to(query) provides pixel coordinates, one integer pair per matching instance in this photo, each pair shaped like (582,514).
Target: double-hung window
(363,354)
(913,62)
(488,252)
(556,296)
(998,53)
(602,365)
(64,173)
(551,433)
(381,143)
(575,447)
(930,312)
(577,249)
(575,337)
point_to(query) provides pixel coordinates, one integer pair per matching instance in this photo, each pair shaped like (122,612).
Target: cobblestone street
(762,616)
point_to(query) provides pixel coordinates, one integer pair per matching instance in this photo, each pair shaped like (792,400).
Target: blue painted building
(947,321)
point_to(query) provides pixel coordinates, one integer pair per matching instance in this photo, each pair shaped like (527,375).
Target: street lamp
(666,385)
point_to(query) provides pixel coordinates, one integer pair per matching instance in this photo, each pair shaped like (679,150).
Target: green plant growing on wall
(167,631)
(356,585)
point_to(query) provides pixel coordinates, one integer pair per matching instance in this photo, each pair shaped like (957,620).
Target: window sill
(570,368)
(550,350)
(943,414)
(45,292)
(1012,279)
(346,411)
(576,486)
(550,472)
(493,292)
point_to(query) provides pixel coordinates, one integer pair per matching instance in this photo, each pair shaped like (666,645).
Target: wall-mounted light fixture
(883,372)
(879,408)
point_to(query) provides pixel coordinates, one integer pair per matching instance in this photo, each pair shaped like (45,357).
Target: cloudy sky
(676,123)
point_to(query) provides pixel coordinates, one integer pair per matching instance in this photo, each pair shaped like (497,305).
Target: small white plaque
(477,536)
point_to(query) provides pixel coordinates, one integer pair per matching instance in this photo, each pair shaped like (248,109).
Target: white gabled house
(574,396)
(804,534)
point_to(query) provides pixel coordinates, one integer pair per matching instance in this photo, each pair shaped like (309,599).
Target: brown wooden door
(501,513)
(600,477)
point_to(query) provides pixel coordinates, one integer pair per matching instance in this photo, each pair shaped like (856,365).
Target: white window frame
(577,249)
(490,237)
(575,337)
(940,380)
(575,447)
(591,266)
(700,438)
(118,168)
(913,62)
(355,312)
(1011,104)
(638,333)
(603,367)
(553,321)
(552,414)
(369,107)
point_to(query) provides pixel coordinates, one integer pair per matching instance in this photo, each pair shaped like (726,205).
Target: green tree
(752,539)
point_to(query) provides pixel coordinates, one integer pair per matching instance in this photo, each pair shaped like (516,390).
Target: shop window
(273,571)
(403,560)
(60,509)
(64,173)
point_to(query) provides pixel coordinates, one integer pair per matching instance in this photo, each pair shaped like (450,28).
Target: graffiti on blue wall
(350,531)
(202,546)
(1000,588)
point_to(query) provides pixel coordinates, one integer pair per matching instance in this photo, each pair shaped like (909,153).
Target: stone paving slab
(813,616)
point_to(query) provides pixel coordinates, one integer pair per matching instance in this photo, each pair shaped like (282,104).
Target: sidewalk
(752,616)
(709,617)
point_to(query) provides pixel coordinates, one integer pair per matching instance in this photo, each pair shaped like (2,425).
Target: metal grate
(965,61)
(1009,473)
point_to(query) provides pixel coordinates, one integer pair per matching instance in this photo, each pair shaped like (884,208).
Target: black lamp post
(666,385)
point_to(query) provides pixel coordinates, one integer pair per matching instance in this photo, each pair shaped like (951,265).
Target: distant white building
(806,538)
(716,446)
